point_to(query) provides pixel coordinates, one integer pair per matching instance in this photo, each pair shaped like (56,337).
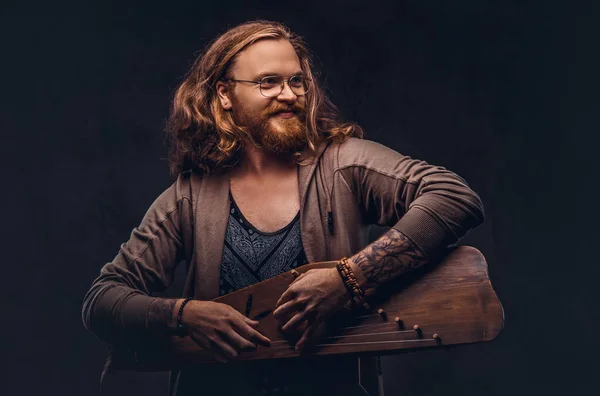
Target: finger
(220,357)
(294,322)
(200,341)
(251,334)
(288,308)
(297,279)
(301,344)
(245,319)
(240,343)
(220,353)
(223,348)
(249,321)
(287,295)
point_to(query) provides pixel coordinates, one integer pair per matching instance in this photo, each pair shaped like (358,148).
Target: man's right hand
(221,329)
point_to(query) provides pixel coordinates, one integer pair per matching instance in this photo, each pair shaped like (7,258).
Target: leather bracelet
(181,331)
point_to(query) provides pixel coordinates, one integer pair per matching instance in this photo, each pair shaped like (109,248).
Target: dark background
(503,93)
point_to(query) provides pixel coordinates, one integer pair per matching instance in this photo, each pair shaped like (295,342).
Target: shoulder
(179,190)
(187,182)
(183,185)
(363,153)
(193,185)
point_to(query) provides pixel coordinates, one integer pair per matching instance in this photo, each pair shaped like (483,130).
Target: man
(270,179)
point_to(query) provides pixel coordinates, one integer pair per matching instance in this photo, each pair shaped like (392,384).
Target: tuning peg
(437,338)
(382,313)
(399,322)
(418,330)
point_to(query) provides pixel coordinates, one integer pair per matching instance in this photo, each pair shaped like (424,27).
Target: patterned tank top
(251,256)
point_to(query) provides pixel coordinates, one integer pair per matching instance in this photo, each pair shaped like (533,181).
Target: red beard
(274,133)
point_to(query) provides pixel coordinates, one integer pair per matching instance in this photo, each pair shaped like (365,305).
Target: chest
(268,206)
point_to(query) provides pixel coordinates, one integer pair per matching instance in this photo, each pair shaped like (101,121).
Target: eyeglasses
(272,86)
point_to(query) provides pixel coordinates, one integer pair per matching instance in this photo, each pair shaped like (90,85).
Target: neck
(258,163)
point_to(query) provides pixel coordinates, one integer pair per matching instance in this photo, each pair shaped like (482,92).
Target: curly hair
(204,137)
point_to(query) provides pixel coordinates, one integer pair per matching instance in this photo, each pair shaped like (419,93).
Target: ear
(223,93)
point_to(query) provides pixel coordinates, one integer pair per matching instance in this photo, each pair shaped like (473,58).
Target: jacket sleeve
(430,205)
(116,305)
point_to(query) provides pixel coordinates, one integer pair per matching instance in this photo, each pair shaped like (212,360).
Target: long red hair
(204,137)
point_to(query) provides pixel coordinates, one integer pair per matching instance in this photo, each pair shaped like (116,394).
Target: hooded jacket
(344,189)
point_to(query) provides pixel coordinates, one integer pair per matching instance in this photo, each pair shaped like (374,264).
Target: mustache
(280,108)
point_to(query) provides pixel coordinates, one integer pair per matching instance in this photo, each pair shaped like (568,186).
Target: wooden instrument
(445,303)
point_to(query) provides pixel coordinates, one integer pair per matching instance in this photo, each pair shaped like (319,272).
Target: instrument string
(379,342)
(287,345)
(369,325)
(354,335)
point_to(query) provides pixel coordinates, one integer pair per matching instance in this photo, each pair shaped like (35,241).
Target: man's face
(277,123)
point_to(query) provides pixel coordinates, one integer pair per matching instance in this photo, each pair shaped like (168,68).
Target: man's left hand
(312,297)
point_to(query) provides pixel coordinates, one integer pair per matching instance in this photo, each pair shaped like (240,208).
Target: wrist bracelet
(181,331)
(349,279)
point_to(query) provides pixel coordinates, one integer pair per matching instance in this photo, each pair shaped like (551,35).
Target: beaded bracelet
(180,330)
(351,284)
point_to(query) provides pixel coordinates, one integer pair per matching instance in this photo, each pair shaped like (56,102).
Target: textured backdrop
(503,93)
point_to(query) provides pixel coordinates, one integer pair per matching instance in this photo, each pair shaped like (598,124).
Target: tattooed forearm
(388,257)
(160,315)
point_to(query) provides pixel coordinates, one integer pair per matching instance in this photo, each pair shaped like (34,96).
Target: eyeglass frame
(282,83)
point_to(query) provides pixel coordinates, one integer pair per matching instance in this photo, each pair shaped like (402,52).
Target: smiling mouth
(285,114)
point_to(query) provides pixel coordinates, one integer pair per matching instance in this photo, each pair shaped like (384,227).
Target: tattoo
(388,257)
(160,315)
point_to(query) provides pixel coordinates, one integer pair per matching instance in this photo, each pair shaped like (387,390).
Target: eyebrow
(266,74)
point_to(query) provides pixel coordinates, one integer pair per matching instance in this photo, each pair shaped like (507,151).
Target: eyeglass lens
(272,86)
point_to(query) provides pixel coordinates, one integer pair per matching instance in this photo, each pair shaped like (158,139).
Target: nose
(286,94)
